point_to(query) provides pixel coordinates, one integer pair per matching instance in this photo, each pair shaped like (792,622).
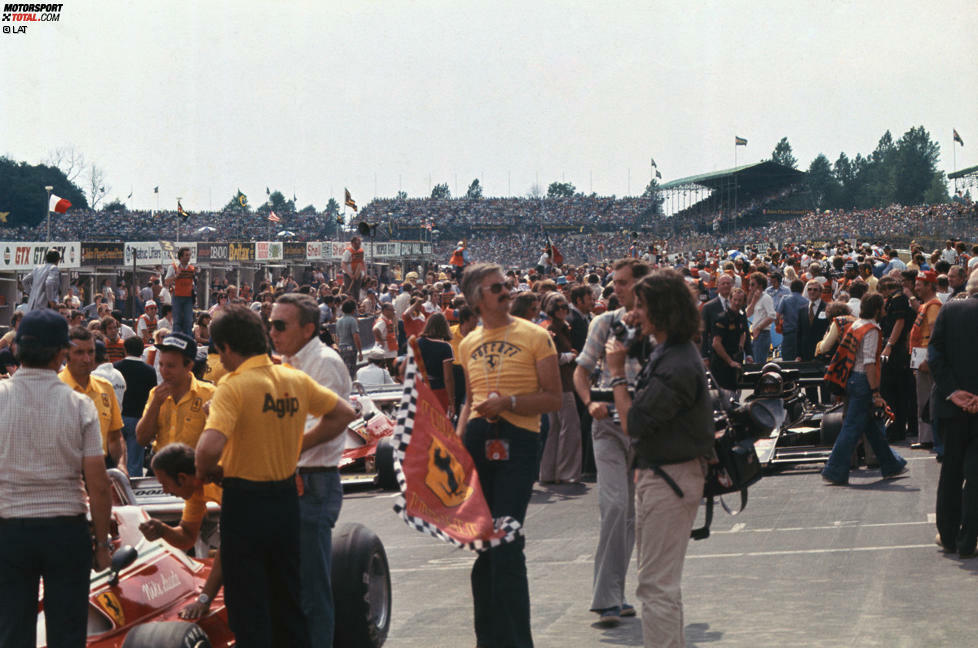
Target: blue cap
(42,328)
(177,341)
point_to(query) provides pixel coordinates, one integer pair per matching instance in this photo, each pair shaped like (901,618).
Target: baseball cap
(928,276)
(149,303)
(375,353)
(850,265)
(42,328)
(179,342)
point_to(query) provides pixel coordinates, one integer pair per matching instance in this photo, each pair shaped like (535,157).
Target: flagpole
(179,216)
(47,206)
(954,147)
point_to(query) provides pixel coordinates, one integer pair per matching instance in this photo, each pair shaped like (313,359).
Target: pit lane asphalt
(805,564)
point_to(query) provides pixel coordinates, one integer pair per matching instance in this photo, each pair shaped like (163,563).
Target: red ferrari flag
(440,490)
(58,204)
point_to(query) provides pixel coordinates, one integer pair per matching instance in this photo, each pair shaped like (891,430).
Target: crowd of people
(520,357)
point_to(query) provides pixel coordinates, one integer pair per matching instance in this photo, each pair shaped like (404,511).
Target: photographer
(670,424)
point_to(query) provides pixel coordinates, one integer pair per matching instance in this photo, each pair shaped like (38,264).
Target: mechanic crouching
(670,423)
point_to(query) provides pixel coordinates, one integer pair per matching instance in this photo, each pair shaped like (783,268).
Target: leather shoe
(940,544)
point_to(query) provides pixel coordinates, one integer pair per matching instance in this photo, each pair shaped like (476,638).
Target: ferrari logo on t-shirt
(493,353)
(109,602)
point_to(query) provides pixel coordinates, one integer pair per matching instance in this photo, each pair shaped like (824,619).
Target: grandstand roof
(759,173)
(963,173)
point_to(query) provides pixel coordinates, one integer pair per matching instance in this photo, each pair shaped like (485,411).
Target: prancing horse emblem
(445,476)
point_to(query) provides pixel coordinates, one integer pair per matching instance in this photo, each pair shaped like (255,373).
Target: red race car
(136,603)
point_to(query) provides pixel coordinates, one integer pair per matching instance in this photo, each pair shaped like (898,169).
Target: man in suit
(953,360)
(711,312)
(812,321)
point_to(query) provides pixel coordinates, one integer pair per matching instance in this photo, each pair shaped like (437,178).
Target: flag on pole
(3,216)
(58,204)
(957,138)
(440,490)
(653,162)
(183,214)
(268,192)
(555,254)
(156,189)
(349,199)
(658,175)
(129,196)
(272,216)
(242,199)
(739,141)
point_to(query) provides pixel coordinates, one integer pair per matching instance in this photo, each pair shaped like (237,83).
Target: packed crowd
(514,356)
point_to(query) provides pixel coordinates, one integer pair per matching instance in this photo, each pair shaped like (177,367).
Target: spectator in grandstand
(43,284)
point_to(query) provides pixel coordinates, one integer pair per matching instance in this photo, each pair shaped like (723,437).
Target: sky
(203,98)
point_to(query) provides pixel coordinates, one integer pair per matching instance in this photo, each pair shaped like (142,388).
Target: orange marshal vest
(183,285)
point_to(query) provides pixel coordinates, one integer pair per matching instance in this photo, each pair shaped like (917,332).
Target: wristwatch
(203,599)
(105,544)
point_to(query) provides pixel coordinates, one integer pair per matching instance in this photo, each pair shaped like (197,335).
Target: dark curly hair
(669,305)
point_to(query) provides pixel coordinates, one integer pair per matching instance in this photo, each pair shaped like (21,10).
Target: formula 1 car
(136,603)
(368,458)
(806,430)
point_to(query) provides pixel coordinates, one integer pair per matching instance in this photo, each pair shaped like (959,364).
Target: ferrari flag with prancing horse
(440,490)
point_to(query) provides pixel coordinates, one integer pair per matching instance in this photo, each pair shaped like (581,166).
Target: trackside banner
(440,490)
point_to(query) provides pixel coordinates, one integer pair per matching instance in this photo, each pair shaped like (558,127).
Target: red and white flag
(272,216)
(58,204)
(440,490)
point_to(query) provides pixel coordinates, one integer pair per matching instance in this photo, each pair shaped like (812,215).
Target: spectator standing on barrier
(175,409)
(760,307)
(511,379)
(920,333)
(43,284)
(863,401)
(295,325)
(256,429)
(953,356)
(77,374)
(180,278)
(49,465)
(616,486)
(671,423)
(140,380)
(354,268)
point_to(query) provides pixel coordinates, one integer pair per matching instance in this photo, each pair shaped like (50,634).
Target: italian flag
(58,204)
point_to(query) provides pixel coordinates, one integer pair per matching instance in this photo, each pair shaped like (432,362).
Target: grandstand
(709,201)
(964,179)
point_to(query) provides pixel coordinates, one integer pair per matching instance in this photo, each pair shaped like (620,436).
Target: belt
(309,470)
(43,521)
(237,483)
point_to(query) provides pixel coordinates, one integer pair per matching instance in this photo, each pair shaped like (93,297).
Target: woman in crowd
(561,459)
(671,422)
(202,330)
(435,351)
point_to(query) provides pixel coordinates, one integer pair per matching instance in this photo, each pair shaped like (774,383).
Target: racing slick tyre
(386,475)
(831,425)
(361,588)
(166,634)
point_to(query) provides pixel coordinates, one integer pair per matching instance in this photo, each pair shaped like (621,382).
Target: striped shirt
(46,431)
(593,353)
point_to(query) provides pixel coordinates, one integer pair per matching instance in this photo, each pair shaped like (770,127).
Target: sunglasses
(279,325)
(497,287)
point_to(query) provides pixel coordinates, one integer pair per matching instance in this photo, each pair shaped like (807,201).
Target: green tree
(332,209)
(822,184)
(655,196)
(441,192)
(937,191)
(401,195)
(475,190)
(308,210)
(915,166)
(561,190)
(22,191)
(782,154)
(114,206)
(276,202)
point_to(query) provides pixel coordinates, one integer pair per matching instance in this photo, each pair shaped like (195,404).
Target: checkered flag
(455,510)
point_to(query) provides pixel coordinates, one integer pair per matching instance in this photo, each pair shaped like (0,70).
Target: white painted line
(932,518)
(835,526)
(737,527)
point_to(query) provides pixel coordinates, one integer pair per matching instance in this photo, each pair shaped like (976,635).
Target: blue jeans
(859,420)
(761,345)
(183,315)
(135,453)
(59,550)
(500,589)
(319,508)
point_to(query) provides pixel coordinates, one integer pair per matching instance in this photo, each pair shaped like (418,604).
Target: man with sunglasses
(511,378)
(294,328)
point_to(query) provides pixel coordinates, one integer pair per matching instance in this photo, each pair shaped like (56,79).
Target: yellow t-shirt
(182,422)
(103,395)
(455,342)
(503,360)
(261,408)
(195,508)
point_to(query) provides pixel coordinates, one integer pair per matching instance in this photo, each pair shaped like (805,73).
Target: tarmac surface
(806,564)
